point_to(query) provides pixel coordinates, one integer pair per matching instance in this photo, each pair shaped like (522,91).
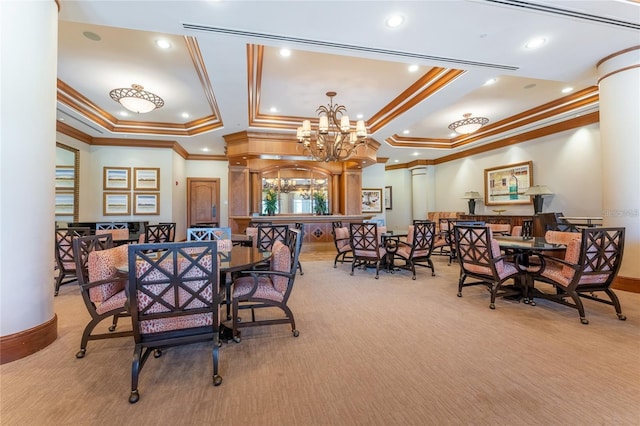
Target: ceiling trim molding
(343,46)
(207,88)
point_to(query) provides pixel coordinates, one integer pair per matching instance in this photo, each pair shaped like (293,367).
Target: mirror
(295,191)
(67,183)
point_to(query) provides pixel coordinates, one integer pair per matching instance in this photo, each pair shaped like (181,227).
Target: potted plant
(270,202)
(320,199)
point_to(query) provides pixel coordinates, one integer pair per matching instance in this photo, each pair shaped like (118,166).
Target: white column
(619,81)
(28,53)
(419,188)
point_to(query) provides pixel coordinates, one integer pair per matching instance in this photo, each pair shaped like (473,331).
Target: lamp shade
(135,99)
(538,190)
(472,195)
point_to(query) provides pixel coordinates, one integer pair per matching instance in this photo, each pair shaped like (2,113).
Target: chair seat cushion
(371,253)
(102,266)
(115,302)
(175,323)
(243,285)
(557,274)
(342,239)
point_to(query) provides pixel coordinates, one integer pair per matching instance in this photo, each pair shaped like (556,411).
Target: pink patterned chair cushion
(243,285)
(117,301)
(410,235)
(405,251)
(342,239)
(147,304)
(281,262)
(500,227)
(558,237)
(116,234)
(504,269)
(516,231)
(101,265)
(371,253)
(252,232)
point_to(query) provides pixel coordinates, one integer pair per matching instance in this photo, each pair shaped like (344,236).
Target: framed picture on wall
(116,203)
(64,203)
(146,179)
(388,200)
(507,184)
(65,177)
(145,203)
(116,178)
(371,200)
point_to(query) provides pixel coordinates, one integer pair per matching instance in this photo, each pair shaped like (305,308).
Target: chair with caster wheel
(65,261)
(255,289)
(101,287)
(590,265)
(416,251)
(175,297)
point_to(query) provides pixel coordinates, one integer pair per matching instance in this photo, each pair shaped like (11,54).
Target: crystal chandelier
(334,140)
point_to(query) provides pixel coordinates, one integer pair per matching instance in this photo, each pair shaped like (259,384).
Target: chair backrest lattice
(364,236)
(83,246)
(208,234)
(269,234)
(423,236)
(160,233)
(64,245)
(474,247)
(601,253)
(111,225)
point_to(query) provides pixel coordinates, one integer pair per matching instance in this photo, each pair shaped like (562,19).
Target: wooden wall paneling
(238,194)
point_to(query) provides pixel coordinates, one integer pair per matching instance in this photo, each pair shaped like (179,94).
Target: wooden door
(203,201)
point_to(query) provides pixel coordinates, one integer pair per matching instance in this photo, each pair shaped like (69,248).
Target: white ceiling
(341,46)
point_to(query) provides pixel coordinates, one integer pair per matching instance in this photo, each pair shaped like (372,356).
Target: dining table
(525,250)
(389,240)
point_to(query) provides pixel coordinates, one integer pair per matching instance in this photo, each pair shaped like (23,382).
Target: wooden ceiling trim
(198,63)
(72,132)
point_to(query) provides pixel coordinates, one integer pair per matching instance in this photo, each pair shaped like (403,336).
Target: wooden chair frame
(160,233)
(343,253)
(208,234)
(173,284)
(65,260)
(82,247)
(365,245)
(422,242)
(599,261)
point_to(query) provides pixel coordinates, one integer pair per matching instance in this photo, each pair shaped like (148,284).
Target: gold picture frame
(116,178)
(507,184)
(146,179)
(146,203)
(116,203)
(372,200)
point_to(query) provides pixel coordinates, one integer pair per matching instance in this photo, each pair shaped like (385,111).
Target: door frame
(203,179)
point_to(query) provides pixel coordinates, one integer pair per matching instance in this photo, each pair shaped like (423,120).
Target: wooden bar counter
(317,228)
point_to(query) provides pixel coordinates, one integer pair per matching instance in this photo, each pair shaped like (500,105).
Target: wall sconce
(472,196)
(538,191)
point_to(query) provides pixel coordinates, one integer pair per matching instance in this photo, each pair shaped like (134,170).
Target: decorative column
(419,185)
(28,53)
(619,83)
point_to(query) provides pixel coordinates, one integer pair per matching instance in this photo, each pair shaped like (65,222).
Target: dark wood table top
(526,243)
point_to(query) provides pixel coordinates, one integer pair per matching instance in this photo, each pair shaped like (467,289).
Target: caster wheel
(219,343)
(532,303)
(55,293)
(334,266)
(377,277)
(351,274)
(80,353)
(134,397)
(413,278)
(492,306)
(621,317)
(296,333)
(112,328)
(433,274)
(217,380)
(237,339)
(459,294)
(584,320)
(157,353)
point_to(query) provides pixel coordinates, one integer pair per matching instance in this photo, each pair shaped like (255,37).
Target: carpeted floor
(391,351)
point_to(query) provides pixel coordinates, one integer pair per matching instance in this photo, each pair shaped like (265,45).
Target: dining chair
(590,265)
(365,245)
(174,300)
(65,260)
(268,234)
(416,250)
(160,233)
(480,258)
(208,234)
(256,289)
(342,241)
(102,288)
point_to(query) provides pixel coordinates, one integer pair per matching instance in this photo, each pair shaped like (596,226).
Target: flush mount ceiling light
(136,99)
(468,124)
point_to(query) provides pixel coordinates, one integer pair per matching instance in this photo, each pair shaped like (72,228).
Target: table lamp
(538,191)
(472,196)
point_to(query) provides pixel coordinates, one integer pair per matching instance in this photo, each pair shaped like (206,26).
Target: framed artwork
(116,178)
(388,200)
(507,184)
(64,203)
(65,177)
(116,203)
(146,179)
(371,200)
(146,203)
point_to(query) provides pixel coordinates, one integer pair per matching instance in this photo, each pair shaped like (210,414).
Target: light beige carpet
(391,351)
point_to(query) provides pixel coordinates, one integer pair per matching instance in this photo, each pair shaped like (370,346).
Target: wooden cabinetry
(497,218)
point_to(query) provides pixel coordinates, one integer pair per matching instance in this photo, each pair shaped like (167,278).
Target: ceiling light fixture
(334,140)
(535,43)
(136,99)
(468,124)
(395,21)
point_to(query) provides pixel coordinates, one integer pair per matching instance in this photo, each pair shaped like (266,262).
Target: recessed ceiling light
(163,44)
(405,132)
(415,154)
(124,114)
(567,89)
(395,21)
(534,43)
(185,115)
(205,149)
(285,53)
(413,68)
(490,81)
(61,119)
(273,109)
(359,116)
(396,161)
(453,134)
